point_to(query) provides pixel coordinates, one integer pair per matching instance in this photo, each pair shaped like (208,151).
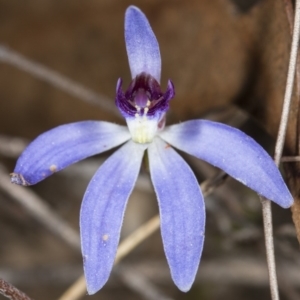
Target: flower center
(142,129)
(143,106)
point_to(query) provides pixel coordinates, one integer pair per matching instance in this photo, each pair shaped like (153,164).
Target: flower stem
(266,204)
(269,242)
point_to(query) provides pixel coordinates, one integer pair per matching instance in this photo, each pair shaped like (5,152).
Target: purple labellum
(144,97)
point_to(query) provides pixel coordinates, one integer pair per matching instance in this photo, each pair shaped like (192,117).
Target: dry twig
(11,292)
(39,71)
(38,208)
(266,204)
(290,159)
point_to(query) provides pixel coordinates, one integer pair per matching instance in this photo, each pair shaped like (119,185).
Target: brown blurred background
(219,54)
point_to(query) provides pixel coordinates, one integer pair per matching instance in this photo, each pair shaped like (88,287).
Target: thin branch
(245,270)
(71,87)
(269,243)
(266,204)
(237,270)
(290,159)
(38,208)
(11,292)
(78,288)
(289,87)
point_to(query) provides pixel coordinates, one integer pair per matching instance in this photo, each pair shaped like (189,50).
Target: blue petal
(102,212)
(141,44)
(64,145)
(182,212)
(234,152)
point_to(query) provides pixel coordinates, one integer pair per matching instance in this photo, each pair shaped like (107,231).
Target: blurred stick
(78,288)
(11,292)
(245,270)
(290,159)
(38,208)
(11,146)
(266,204)
(140,283)
(237,270)
(73,88)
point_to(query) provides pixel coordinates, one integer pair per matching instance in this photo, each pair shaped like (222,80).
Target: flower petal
(182,212)
(64,145)
(234,152)
(102,212)
(141,44)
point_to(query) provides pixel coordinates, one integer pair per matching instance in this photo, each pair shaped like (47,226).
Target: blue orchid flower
(181,204)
